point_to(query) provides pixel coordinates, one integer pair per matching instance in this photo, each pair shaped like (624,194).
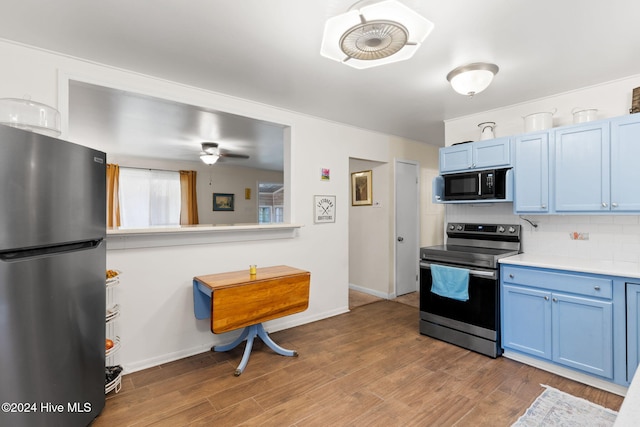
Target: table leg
(250,333)
(272,345)
(234,344)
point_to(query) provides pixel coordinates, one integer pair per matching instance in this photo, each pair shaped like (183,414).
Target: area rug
(556,408)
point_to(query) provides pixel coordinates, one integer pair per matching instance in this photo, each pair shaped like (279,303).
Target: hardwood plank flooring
(368,367)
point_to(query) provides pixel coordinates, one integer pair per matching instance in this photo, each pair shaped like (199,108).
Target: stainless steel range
(475,323)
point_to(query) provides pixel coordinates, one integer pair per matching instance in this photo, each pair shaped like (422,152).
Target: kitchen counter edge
(608,268)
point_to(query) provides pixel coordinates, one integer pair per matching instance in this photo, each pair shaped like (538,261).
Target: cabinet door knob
(511,276)
(604,204)
(555,299)
(597,288)
(614,205)
(544,206)
(546,298)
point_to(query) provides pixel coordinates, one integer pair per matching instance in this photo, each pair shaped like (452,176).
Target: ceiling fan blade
(235,156)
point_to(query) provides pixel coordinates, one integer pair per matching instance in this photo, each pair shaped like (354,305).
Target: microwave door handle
(480,184)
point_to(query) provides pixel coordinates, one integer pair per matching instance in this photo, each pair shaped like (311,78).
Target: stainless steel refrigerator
(52,280)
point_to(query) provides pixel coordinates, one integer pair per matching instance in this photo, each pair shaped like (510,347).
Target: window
(270,203)
(149,197)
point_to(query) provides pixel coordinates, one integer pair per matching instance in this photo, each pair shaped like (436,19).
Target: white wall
(614,238)
(157,322)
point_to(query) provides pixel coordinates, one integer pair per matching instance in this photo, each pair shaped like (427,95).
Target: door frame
(395,221)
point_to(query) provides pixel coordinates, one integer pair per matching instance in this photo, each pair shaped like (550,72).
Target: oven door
(478,315)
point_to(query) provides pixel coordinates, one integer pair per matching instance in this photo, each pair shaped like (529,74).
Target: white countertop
(159,229)
(629,414)
(181,235)
(609,268)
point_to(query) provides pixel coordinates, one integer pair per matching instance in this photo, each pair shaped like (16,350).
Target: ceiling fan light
(374,34)
(209,158)
(473,78)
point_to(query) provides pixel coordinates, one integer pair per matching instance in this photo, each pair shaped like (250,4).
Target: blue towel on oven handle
(450,282)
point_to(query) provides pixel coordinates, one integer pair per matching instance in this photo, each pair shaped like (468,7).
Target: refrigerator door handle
(21,254)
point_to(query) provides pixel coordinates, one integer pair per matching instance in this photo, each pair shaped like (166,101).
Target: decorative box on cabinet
(531,170)
(111,332)
(560,317)
(493,153)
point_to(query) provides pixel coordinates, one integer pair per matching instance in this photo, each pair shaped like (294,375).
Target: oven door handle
(479,273)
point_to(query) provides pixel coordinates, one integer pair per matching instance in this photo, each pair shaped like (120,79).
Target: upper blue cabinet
(625,173)
(494,153)
(584,168)
(596,167)
(531,180)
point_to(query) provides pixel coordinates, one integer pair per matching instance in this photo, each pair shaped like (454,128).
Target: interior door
(407,227)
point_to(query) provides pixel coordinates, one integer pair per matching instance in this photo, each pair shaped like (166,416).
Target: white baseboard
(370,291)
(271,326)
(567,373)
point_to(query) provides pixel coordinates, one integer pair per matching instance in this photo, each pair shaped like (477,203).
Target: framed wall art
(223,202)
(361,192)
(324,209)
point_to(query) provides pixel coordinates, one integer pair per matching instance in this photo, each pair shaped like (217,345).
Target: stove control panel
(458,229)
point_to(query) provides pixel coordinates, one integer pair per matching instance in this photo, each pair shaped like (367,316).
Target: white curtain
(149,197)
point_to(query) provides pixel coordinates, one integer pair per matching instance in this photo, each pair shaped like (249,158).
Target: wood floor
(368,367)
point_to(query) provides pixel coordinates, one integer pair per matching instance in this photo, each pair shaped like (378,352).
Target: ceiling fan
(211,153)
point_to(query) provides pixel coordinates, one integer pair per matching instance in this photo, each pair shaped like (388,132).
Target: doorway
(407,226)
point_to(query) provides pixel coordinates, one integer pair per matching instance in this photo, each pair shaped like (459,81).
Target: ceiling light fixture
(472,78)
(374,33)
(209,158)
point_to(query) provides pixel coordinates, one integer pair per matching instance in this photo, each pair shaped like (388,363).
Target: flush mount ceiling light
(374,33)
(472,78)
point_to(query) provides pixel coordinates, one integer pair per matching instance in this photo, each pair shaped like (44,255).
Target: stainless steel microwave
(480,185)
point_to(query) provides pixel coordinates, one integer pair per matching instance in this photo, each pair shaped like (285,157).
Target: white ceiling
(268,51)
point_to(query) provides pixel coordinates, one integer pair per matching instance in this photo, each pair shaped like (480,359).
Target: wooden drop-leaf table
(239,299)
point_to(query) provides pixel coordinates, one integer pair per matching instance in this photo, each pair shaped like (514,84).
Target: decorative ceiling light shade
(209,158)
(372,34)
(473,78)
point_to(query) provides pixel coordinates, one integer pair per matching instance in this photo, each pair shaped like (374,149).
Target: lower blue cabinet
(526,318)
(582,332)
(633,329)
(540,318)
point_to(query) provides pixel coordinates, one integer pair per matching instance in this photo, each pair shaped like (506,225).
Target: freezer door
(52,191)
(52,338)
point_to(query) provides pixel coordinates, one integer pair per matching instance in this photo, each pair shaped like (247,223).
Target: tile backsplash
(608,237)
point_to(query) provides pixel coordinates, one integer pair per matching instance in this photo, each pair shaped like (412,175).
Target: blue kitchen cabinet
(531,180)
(625,173)
(456,158)
(560,317)
(526,320)
(581,167)
(493,153)
(633,329)
(582,331)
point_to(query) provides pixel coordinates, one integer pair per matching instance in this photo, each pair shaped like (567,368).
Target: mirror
(141,131)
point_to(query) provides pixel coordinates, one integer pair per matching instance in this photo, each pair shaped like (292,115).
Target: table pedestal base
(249,333)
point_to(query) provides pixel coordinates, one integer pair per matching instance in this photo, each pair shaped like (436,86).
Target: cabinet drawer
(572,283)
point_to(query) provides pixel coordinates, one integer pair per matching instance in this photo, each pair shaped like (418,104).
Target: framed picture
(361,188)
(324,209)
(222,202)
